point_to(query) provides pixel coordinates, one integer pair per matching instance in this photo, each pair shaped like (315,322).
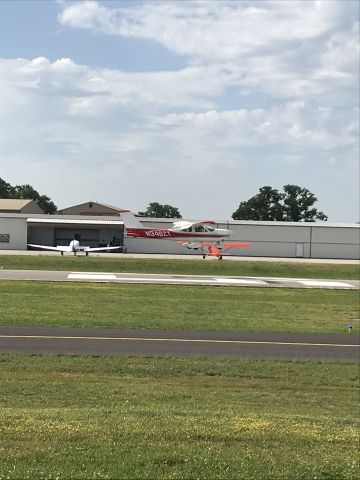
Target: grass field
(138,418)
(96,418)
(178,307)
(181,266)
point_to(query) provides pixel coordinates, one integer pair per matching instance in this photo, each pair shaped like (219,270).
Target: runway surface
(64,276)
(174,343)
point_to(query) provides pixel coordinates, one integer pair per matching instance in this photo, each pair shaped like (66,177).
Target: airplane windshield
(210,229)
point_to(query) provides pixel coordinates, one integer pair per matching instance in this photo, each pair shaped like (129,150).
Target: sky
(195,104)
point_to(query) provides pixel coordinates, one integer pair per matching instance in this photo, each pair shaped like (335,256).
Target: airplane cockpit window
(210,229)
(189,229)
(199,228)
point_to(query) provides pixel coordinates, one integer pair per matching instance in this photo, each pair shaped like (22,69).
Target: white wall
(16,229)
(279,239)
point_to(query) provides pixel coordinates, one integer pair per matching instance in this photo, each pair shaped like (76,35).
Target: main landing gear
(219,256)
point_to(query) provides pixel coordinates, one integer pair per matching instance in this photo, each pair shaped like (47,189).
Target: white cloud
(288,75)
(213,30)
(283,49)
(87,14)
(63,92)
(293,125)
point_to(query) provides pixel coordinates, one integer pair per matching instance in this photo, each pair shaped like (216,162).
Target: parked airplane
(73,247)
(193,235)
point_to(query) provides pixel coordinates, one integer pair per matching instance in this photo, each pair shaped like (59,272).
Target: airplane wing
(101,249)
(213,248)
(47,247)
(236,245)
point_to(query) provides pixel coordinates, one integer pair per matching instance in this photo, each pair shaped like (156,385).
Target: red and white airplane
(193,235)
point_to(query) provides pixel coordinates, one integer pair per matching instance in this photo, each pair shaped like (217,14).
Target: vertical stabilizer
(129,219)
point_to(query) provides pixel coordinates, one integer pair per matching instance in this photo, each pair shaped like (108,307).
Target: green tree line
(293,204)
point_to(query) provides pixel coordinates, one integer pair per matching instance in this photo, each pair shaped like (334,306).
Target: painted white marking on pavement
(241,281)
(182,340)
(92,276)
(317,283)
(84,276)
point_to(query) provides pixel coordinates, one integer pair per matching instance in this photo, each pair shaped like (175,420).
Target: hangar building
(96,224)
(269,239)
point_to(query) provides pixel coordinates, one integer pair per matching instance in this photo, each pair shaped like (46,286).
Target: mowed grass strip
(114,418)
(180,266)
(178,307)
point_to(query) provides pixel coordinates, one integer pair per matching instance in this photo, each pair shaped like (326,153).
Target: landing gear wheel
(204,256)
(220,257)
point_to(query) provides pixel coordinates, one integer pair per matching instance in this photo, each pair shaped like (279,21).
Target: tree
(295,204)
(6,190)
(160,211)
(263,206)
(27,192)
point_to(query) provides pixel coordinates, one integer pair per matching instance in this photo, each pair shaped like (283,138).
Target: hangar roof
(257,222)
(17,205)
(78,220)
(91,208)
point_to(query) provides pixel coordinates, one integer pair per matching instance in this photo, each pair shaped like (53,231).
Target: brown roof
(106,205)
(13,203)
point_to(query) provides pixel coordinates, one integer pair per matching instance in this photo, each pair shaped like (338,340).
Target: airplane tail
(130,221)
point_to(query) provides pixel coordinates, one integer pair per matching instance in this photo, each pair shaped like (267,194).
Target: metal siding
(265,233)
(270,249)
(333,250)
(267,240)
(278,240)
(63,222)
(336,235)
(139,245)
(16,228)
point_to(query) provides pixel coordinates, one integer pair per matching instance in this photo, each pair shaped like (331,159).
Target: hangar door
(88,237)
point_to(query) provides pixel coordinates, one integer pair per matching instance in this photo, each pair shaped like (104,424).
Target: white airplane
(192,235)
(74,247)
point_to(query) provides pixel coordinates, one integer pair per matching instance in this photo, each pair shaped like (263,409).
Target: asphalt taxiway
(64,276)
(177,343)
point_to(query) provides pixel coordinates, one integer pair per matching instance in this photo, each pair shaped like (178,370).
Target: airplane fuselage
(168,234)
